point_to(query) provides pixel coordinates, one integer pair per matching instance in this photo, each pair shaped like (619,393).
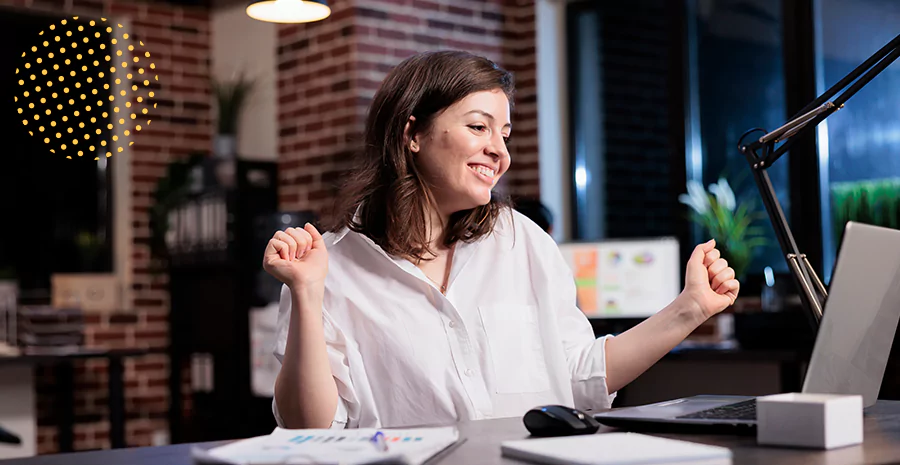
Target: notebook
(325,446)
(615,449)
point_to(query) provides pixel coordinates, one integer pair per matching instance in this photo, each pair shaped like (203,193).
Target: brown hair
(386,188)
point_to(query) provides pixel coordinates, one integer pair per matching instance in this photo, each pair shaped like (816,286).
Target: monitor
(628,278)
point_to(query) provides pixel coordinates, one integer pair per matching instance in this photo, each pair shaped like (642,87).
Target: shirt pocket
(516,348)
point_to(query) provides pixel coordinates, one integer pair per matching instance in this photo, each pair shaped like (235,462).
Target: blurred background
(133,308)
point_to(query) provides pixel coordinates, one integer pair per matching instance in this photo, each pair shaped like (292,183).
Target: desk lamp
(762,153)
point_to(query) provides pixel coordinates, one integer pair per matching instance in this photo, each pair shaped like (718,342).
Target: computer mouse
(558,420)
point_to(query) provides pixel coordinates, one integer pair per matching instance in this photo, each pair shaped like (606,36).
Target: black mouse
(558,420)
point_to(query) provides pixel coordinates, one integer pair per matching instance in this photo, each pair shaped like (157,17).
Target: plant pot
(225,146)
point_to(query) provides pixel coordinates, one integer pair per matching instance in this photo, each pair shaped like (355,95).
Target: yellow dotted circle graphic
(76,66)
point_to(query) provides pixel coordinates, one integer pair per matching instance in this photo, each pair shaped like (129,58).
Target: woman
(430,302)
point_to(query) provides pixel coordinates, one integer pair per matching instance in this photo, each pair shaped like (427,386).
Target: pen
(379,442)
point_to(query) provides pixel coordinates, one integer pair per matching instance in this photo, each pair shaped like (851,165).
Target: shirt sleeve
(337,358)
(585,354)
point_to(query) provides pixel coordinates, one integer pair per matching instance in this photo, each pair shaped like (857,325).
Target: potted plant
(728,221)
(90,287)
(230,98)
(90,247)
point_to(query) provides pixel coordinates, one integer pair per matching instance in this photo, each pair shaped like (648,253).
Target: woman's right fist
(297,257)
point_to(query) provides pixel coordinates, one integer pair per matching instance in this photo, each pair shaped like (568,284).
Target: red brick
(125,9)
(110,335)
(425,5)
(196,14)
(287,30)
(391,34)
(151,334)
(405,19)
(196,45)
(462,11)
(371,48)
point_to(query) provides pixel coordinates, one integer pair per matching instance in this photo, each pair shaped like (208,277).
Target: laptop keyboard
(745,410)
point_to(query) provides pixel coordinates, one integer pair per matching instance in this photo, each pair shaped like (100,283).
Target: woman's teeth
(483,170)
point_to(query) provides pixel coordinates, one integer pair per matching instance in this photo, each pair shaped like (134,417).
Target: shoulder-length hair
(385,196)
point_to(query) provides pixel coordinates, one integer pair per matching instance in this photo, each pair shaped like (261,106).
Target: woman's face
(463,154)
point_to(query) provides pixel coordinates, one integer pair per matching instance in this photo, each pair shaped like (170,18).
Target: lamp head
(288,11)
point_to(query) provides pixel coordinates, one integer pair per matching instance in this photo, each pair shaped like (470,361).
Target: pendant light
(288,11)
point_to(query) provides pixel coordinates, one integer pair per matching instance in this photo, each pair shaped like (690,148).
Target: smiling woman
(430,301)
(427,134)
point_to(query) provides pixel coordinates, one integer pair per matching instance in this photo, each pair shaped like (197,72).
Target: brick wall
(328,73)
(178,39)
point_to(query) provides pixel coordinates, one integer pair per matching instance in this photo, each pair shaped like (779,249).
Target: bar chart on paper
(349,446)
(323,439)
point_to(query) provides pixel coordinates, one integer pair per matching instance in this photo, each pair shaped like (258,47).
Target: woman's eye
(506,139)
(478,127)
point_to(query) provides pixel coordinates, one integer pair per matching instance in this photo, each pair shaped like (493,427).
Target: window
(859,146)
(54,212)
(623,162)
(737,83)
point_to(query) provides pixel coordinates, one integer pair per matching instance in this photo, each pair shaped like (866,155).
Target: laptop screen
(860,316)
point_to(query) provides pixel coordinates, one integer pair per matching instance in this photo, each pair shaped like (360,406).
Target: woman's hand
(709,284)
(297,257)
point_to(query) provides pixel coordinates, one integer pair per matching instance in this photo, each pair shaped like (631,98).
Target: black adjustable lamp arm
(812,290)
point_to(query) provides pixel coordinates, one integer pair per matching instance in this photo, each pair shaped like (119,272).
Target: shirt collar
(464,251)
(338,235)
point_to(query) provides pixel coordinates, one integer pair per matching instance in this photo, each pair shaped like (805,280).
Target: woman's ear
(411,139)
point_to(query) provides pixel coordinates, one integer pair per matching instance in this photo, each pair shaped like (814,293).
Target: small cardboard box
(822,421)
(90,292)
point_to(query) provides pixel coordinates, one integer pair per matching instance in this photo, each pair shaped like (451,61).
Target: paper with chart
(624,278)
(325,446)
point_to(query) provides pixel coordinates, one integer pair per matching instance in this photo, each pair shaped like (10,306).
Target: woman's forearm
(631,353)
(305,390)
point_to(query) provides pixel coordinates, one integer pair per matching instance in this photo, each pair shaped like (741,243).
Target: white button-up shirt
(507,337)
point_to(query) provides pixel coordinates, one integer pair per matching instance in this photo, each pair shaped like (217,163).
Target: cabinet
(216,239)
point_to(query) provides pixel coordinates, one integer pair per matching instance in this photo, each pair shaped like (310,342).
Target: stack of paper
(615,449)
(324,446)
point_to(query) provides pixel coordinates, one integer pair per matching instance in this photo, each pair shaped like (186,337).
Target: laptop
(849,357)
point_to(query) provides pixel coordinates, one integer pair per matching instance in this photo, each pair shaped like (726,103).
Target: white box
(822,421)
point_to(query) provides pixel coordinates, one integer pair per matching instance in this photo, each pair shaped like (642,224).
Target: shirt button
(452,324)
(470,372)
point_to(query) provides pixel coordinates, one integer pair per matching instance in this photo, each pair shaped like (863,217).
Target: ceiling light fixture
(288,11)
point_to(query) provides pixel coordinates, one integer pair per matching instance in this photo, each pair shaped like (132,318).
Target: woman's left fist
(709,282)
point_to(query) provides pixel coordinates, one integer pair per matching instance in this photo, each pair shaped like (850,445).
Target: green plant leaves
(230,98)
(875,202)
(735,232)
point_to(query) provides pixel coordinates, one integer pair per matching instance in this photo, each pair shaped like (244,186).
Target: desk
(482,446)
(64,404)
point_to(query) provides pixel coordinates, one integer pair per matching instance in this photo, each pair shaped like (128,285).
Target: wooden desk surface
(482,446)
